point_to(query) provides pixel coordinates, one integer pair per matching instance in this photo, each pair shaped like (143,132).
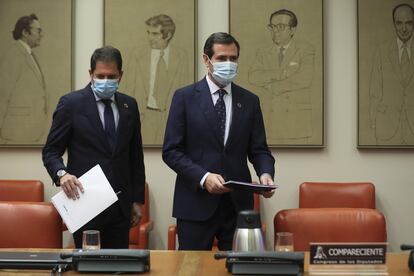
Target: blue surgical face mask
(105,88)
(224,72)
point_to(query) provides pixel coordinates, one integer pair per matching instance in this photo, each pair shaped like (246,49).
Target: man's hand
(136,214)
(214,184)
(266,179)
(71,186)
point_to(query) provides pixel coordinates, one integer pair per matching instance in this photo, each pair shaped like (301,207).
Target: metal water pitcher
(248,235)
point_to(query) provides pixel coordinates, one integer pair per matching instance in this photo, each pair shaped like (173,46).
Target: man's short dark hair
(293,22)
(219,38)
(23,24)
(399,6)
(106,54)
(166,23)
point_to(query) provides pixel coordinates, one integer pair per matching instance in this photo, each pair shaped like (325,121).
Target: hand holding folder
(98,196)
(252,187)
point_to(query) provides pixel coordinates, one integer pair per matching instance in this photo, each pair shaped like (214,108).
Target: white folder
(98,196)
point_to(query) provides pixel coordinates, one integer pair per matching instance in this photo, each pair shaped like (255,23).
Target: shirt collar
(284,47)
(156,53)
(27,47)
(400,43)
(214,87)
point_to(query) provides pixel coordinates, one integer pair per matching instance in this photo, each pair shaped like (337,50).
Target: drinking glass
(91,240)
(284,241)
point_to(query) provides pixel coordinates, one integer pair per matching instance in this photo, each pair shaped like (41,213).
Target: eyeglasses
(278,27)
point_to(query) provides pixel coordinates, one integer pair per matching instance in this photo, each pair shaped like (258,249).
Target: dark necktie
(405,64)
(220,108)
(281,55)
(38,68)
(109,123)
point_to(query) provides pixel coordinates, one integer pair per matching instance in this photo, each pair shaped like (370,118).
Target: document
(253,187)
(98,196)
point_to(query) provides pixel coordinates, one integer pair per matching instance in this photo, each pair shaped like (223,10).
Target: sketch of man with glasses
(284,73)
(392,83)
(23,90)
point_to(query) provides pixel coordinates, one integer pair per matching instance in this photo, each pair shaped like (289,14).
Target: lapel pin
(125,105)
(239,105)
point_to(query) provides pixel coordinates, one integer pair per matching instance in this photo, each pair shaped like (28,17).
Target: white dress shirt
(101,109)
(228,101)
(29,51)
(400,48)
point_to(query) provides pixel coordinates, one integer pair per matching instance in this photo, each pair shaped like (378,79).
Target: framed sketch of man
(386,74)
(157,40)
(31,33)
(282,55)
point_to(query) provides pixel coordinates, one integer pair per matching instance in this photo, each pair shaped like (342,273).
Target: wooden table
(202,263)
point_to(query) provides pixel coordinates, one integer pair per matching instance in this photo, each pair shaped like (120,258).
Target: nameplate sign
(348,253)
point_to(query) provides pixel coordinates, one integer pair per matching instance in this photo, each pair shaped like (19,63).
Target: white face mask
(224,72)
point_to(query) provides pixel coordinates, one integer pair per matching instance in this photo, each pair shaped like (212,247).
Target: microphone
(411,257)
(66,255)
(406,247)
(221,255)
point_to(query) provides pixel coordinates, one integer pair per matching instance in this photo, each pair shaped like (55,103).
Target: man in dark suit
(213,127)
(98,125)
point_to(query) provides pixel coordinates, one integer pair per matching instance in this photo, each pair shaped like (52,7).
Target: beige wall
(390,170)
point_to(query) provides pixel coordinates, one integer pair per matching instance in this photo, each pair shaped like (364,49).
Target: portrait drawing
(157,42)
(283,54)
(386,74)
(31,80)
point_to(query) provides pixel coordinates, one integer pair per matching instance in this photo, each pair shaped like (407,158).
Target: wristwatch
(59,174)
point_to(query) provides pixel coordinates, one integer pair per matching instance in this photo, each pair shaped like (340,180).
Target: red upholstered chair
(172,229)
(345,195)
(30,225)
(21,190)
(138,235)
(331,225)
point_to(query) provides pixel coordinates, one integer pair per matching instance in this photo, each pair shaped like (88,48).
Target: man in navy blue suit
(98,125)
(213,127)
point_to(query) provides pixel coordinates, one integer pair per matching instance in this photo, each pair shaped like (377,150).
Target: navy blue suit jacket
(77,128)
(192,147)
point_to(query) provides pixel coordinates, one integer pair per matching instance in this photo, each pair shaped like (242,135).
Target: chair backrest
(21,190)
(134,232)
(138,235)
(30,225)
(337,195)
(331,225)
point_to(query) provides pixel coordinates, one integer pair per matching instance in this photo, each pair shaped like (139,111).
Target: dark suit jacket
(77,127)
(192,148)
